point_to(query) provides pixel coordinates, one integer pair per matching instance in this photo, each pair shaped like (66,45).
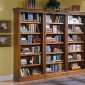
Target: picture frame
(5,40)
(5,26)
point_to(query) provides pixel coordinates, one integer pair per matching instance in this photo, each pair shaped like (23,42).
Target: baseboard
(6,78)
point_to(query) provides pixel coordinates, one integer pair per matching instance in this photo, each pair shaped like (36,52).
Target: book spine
(55,67)
(33,50)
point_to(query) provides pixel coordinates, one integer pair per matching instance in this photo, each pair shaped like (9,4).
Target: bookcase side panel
(16,47)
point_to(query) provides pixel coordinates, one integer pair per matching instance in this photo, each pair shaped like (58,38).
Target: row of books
(53,58)
(74,56)
(74,66)
(31,28)
(54,39)
(74,28)
(50,48)
(30,50)
(28,16)
(54,68)
(74,38)
(75,47)
(31,60)
(30,4)
(58,19)
(28,72)
(74,20)
(53,29)
(48,19)
(30,39)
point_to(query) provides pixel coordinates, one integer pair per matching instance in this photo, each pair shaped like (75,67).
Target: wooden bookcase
(48,44)
(76,42)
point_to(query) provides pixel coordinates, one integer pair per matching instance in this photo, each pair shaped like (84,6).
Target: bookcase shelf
(54,62)
(30,22)
(76,61)
(30,33)
(30,65)
(55,43)
(75,23)
(74,33)
(48,44)
(54,53)
(32,44)
(29,54)
(76,42)
(55,23)
(75,51)
(54,33)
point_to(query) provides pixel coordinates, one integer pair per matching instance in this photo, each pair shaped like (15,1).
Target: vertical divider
(44,44)
(16,45)
(66,42)
(84,42)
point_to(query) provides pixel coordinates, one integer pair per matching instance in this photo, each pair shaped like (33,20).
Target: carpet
(77,79)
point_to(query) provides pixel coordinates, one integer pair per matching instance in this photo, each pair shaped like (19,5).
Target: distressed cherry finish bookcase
(48,44)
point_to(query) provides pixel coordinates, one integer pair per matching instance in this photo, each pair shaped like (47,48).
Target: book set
(30,28)
(29,39)
(29,16)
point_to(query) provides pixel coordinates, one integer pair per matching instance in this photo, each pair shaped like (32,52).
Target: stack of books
(74,56)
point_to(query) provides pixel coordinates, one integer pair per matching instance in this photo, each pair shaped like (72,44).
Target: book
(23,61)
(24,72)
(55,67)
(48,49)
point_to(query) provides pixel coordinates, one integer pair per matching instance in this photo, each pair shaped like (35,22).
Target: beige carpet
(77,79)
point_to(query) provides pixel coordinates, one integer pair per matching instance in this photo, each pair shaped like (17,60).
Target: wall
(69,3)
(6,53)
(6,13)
(83,5)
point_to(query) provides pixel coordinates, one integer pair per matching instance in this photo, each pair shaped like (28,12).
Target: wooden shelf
(30,65)
(75,61)
(30,33)
(75,51)
(29,54)
(55,43)
(30,22)
(75,33)
(76,42)
(54,33)
(32,44)
(55,23)
(54,53)
(31,77)
(57,62)
(77,71)
(75,23)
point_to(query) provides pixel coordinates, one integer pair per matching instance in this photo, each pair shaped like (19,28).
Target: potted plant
(53,5)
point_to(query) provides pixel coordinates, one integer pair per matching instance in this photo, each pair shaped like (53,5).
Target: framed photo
(5,26)
(5,40)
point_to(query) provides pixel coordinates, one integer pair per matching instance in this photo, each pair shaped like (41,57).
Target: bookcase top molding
(49,12)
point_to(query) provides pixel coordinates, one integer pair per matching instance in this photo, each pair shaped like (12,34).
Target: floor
(77,79)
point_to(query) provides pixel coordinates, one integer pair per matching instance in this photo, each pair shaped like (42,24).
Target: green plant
(53,4)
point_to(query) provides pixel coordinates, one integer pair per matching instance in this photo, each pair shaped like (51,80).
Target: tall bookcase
(76,42)
(48,44)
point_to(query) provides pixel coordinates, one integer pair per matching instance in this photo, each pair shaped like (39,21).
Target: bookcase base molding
(49,75)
